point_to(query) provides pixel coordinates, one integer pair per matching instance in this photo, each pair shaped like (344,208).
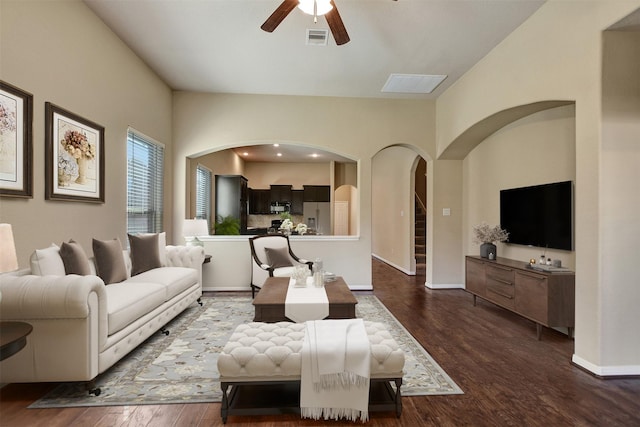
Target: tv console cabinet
(546,298)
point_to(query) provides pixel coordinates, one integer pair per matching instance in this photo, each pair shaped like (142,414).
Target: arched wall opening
(393,207)
(299,170)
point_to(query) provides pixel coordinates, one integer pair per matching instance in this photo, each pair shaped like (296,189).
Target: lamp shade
(8,258)
(195,227)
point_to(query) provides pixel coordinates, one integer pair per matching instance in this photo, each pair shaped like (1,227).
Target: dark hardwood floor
(509,378)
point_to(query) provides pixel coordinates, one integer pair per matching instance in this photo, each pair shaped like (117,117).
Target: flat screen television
(540,215)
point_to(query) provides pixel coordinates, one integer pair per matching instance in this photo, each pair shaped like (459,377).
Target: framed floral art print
(16,142)
(74,157)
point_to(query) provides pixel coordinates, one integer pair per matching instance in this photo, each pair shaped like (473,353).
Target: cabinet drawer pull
(504,282)
(500,267)
(533,276)
(500,293)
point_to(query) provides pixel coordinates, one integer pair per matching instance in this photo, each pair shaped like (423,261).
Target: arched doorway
(399,222)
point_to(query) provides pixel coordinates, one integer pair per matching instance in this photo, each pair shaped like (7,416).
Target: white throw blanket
(306,303)
(335,361)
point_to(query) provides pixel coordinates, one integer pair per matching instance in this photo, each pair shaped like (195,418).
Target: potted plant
(228,225)
(487,236)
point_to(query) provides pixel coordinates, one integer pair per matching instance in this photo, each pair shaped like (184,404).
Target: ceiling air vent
(413,83)
(317,37)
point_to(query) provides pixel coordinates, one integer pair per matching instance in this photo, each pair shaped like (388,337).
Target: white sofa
(81,326)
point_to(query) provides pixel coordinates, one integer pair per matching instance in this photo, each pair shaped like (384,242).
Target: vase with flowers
(488,236)
(77,145)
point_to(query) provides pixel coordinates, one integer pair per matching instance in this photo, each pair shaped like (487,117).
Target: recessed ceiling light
(315,155)
(276,145)
(245,154)
(279,154)
(412,83)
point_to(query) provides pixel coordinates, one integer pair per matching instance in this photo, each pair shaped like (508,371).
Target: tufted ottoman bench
(261,363)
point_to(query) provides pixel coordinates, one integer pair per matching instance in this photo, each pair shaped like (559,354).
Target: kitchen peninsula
(230,266)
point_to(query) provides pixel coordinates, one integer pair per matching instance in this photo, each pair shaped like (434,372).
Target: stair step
(421,258)
(421,249)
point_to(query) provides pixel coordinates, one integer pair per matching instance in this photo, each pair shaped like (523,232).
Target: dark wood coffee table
(269,303)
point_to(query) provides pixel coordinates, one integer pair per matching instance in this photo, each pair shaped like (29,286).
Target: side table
(13,337)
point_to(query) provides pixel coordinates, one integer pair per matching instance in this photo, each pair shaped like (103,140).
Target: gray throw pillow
(110,264)
(144,253)
(74,258)
(278,257)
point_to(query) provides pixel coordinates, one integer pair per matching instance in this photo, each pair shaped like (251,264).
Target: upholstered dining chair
(273,257)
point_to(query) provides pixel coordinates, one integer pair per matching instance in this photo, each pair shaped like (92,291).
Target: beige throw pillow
(110,264)
(278,257)
(74,258)
(144,253)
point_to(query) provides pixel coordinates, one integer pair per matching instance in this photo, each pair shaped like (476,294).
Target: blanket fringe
(335,414)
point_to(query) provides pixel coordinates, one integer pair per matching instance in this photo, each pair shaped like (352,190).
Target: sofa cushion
(127,302)
(110,264)
(173,279)
(47,262)
(74,258)
(278,257)
(144,253)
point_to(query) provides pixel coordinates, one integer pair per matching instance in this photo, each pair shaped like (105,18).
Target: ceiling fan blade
(278,15)
(336,25)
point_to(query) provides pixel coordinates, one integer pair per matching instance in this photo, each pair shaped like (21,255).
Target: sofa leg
(92,389)
(199,300)
(164,330)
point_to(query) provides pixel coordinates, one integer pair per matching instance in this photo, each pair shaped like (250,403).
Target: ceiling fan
(317,7)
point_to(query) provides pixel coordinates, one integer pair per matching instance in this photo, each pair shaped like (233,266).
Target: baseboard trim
(606,372)
(397,267)
(443,286)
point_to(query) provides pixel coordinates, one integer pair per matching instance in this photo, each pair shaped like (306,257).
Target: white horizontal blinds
(203,194)
(145,170)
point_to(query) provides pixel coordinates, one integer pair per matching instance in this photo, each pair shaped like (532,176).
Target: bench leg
(398,382)
(224,408)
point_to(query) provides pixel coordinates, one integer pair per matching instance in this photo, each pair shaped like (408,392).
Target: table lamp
(8,258)
(192,228)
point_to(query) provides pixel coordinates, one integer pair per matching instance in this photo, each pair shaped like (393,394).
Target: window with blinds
(145,170)
(203,194)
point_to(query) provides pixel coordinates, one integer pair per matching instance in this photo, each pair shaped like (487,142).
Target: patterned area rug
(182,367)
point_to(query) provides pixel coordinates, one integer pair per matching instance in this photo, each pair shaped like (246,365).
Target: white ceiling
(218,46)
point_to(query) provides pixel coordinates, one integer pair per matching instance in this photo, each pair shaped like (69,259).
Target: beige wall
(359,128)
(262,175)
(392,207)
(557,55)
(537,149)
(620,204)
(62,53)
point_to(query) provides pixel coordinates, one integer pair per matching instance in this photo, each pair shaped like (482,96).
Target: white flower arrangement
(484,233)
(287,225)
(301,228)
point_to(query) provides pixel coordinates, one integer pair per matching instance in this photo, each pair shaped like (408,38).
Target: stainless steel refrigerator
(317,216)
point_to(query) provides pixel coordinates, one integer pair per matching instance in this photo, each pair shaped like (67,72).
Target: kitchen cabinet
(259,202)
(317,193)
(547,298)
(232,198)
(281,193)
(297,202)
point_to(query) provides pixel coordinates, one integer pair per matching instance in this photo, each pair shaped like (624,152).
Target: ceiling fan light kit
(315,7)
